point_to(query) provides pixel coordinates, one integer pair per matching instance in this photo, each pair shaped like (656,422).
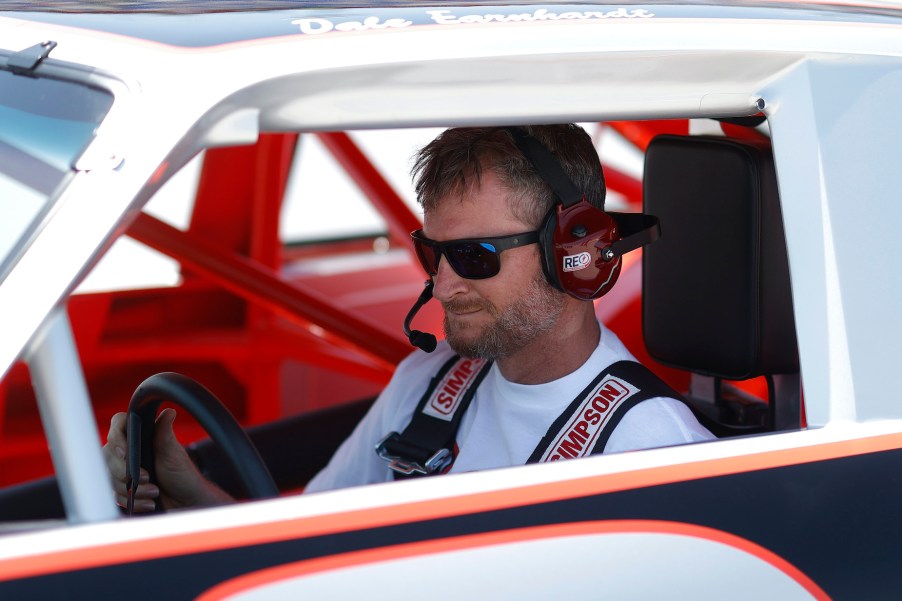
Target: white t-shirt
(505,420)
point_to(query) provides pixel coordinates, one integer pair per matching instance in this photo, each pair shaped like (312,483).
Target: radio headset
(580,244)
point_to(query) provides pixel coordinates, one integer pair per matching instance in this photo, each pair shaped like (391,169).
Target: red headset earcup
(571,255)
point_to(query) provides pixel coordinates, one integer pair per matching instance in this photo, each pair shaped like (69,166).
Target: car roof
(227,21)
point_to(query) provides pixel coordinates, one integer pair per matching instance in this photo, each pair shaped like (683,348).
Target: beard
(534,313)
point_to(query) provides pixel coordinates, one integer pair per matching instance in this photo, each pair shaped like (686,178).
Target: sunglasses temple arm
(421,340)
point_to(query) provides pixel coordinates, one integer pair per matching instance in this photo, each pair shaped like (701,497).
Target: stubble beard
(533,314)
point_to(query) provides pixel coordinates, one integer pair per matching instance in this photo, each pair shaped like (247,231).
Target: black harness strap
(427,444)
(586,425)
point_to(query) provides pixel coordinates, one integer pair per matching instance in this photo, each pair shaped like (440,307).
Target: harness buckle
(403,465)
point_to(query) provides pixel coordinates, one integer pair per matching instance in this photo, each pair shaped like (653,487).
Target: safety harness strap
(426,446)
(585,427)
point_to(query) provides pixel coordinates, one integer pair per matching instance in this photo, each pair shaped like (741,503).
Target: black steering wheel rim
(212,416)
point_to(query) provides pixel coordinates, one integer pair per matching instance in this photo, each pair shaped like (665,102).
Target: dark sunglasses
(471,258)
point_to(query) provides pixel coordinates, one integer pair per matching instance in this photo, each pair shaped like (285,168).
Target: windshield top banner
(216,28)
(475,16)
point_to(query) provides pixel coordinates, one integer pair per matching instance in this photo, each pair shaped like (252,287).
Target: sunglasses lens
(474,260)
(427,255)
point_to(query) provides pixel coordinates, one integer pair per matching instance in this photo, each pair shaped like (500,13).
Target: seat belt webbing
(427,444)
(586,425)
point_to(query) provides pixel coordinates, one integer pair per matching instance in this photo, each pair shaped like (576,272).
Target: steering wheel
(213,417)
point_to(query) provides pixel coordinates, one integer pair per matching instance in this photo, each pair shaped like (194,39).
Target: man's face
(494,317)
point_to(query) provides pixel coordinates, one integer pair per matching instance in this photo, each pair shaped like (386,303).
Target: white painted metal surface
(69,424)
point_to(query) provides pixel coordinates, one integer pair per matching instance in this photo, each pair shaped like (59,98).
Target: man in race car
(526,372)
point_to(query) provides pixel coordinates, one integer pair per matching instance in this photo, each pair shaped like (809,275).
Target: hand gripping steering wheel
(213,417)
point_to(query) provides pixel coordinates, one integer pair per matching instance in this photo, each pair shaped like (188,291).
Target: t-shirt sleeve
(355,462)
(657,422)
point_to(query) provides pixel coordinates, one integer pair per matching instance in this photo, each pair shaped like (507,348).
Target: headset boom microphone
(421,340)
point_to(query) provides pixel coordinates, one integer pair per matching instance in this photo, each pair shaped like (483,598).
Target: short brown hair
(456,159)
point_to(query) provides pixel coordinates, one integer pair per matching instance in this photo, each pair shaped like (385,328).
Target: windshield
(45,125)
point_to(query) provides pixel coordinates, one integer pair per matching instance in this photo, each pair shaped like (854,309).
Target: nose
(446,282)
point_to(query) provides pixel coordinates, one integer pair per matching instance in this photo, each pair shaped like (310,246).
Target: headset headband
(548,167)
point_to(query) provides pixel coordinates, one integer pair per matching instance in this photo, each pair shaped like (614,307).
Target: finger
(164,434)
(116,435)
(147,491)
(120,489)
(115,461)
(120,486)
(169,453)
(139,506)
(145,495)
(114,449)
(117,466)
